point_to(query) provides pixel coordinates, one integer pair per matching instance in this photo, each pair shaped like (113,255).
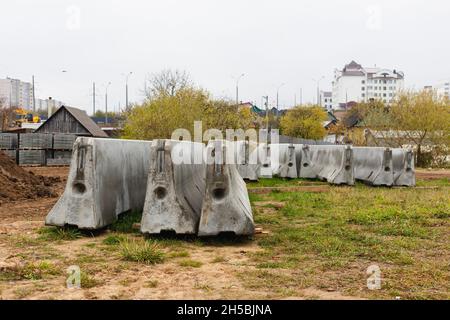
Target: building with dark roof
(71,121)
(354,84)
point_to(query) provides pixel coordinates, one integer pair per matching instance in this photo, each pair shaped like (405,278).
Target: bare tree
(6,114)
(167,83)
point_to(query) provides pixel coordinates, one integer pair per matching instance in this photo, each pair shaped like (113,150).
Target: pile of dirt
(19,184)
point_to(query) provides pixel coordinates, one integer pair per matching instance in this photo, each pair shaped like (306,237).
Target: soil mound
(18,184)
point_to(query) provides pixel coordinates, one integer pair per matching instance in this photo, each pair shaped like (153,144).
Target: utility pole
(237,88)
(106,103)
(34,95)
(93,99)
(318,89)
(278,91)
(301,96)
(267,110)
(126,90)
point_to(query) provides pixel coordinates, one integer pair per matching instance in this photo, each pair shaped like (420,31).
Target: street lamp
(318,89)
(126,89)
(106,102)
(237,88)
(278,91)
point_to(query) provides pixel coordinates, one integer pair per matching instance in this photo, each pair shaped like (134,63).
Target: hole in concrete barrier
(160,192)
(305,165)
(79,188)
(290,165)
(265,165)
(387,169)
(347,168)
(219,193)
(408,169)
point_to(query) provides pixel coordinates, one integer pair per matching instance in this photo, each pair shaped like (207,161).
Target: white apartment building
(326,100)
(357,84)
(442,89)
(16,93)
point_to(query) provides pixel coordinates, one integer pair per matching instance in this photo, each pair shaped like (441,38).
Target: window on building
(363,89)
(384,95)
(363,95)
(363,81)
(384,88)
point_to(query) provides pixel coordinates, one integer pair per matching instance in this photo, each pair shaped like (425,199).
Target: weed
(141,251)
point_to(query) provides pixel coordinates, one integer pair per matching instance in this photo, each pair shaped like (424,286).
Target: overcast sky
(272,42)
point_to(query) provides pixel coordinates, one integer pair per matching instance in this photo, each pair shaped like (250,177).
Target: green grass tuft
(141,251)
(126,221)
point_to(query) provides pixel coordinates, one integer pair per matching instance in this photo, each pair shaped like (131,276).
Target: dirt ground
(432,174)
(217,277)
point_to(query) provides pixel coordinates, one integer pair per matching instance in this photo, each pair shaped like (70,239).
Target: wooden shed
(71,121)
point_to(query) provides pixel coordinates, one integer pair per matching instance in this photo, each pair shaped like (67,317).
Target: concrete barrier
(175,188)
(404,169)
(263,154)
(107,177)
(226,206)
(331,163)
(285,159)
(374,165)
(246,159)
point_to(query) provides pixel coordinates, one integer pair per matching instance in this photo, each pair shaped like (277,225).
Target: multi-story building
(357,84)
(48,104)
(326,100)
(442,89)
(16,93)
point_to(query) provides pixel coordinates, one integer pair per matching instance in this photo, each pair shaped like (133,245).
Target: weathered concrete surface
(175,188)
(246,159)
(107,177)
(374,165)
(287,161)
(226,206)
(404,169)
(331,163)
(264,155)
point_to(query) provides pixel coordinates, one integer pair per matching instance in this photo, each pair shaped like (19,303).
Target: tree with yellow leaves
(304,122)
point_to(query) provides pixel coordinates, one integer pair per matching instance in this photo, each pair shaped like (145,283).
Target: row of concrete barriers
(189,188)
(109,177)
(336,164)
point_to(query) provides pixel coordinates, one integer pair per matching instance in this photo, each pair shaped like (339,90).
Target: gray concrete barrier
(107,177)
(175,188)
(246,159)
(331,163)
(374,165)
(264,155)
(226,206)
(404,169)
(285,160)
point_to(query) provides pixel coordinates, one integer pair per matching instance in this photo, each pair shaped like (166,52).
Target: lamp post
(278,93)
(106,102)
(237,88)
(318,89)
(126,89)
